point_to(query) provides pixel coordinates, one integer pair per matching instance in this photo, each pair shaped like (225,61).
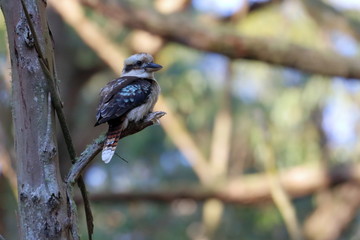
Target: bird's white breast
(139,112)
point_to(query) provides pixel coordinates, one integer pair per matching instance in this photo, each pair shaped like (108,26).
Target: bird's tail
(112,138)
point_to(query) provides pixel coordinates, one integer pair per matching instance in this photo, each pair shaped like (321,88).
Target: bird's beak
(153,67)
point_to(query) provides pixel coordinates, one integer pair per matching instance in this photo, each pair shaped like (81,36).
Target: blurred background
(260,140)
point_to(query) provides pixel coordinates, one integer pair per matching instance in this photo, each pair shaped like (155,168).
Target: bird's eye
(138,63)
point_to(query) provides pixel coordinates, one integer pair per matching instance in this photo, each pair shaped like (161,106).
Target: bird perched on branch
(128,98)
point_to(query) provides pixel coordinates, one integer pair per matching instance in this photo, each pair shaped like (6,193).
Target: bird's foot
(154,117)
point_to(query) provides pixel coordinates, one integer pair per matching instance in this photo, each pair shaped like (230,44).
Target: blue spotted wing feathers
(120,96)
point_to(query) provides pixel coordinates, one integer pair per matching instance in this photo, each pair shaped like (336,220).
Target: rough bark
(192,33)
(43,207)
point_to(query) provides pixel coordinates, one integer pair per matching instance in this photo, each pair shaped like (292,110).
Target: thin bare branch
(223,126)
(278,193)
(219,152)
(181,137)
(90,153)
(93,149)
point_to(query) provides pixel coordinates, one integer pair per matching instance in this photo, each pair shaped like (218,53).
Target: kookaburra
(128,98)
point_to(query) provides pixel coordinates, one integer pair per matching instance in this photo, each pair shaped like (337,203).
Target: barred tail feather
(112,138)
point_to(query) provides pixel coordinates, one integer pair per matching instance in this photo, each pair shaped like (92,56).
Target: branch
(168,196)
(93,149)
(234,46)
(334,213)
(223,128)
(250,189)
(281,198)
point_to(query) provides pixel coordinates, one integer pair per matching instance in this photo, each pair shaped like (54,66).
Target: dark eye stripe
(129,67)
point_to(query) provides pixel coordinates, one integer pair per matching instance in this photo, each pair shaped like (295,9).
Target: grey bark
(43,205)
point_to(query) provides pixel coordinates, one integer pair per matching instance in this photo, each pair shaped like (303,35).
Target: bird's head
(140,65)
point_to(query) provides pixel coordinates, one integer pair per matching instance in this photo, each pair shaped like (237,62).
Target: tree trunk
(43,205)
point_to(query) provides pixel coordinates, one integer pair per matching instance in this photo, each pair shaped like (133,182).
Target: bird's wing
(120,96)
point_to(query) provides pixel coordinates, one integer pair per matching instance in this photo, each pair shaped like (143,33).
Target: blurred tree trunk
(43,206)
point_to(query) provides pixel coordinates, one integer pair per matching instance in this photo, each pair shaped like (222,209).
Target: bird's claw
(154,117)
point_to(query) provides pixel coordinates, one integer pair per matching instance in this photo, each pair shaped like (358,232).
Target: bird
(128,98)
